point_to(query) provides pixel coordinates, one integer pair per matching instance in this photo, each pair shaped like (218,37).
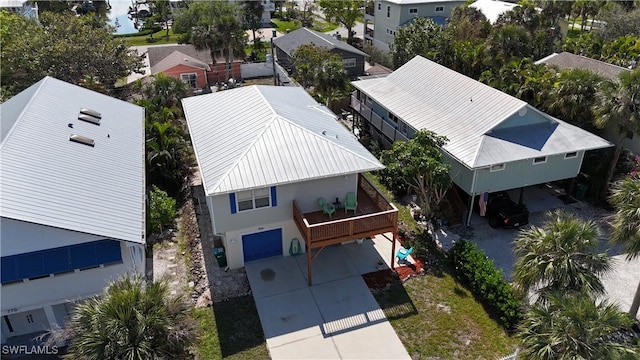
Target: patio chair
(327,208)
(403,253)
(350,203)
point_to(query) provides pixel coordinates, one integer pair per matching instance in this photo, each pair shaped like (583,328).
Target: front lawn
(158,38)
(282,26)
(231,330)
(435,317)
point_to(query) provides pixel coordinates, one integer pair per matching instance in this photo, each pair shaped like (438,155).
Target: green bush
(161,209)
(487,283)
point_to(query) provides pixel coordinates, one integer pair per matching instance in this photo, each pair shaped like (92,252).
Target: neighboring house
(492,9)
(21,7)
(567,60)
(268,6)
(388,16)
(286,46)
(266,155)
(495,141)
(190,65)
(72,208)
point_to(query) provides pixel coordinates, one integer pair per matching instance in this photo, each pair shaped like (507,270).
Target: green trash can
(581,191)
(220,256)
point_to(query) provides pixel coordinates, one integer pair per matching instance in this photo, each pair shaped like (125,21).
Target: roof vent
(90,112)
(82,140)
(89,119)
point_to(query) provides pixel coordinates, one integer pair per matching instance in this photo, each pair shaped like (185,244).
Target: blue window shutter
(274,198)
(232,201)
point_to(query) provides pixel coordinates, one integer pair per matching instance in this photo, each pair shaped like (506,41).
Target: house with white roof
(492,9)
(267,154)
(495,141)
(72,201)
(382,18)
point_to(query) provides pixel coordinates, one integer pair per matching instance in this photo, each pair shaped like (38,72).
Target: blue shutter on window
(274,198)
(232,201)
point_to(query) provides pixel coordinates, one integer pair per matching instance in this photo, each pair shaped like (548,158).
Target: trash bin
(581,191)
(220,256)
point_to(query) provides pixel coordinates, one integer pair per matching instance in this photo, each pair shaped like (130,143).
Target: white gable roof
(492,9)
(429,96)
(48,179)
(260,136)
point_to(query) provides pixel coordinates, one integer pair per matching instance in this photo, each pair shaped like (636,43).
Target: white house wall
(33,294)
(20,237)
(305,193)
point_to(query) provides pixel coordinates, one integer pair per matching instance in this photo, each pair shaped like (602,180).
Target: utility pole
(273,59)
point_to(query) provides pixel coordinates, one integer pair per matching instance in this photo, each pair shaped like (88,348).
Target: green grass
(231,330)
(323,26)
(159,38)
(282,26)
(437,318)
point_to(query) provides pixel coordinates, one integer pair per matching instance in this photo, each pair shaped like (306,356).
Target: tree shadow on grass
(239,327)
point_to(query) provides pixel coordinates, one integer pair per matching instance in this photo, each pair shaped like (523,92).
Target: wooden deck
(374,215)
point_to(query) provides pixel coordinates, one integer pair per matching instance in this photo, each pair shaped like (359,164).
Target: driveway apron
(336,318)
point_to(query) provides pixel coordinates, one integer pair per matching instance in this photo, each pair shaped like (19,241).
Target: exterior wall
(427,10)
(356,71)
(218,73)
(460,174)
(176,71)
(632,144)
(282,58)
(523,173)
(527,117)
(306,194)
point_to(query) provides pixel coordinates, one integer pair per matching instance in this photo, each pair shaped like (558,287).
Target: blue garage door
(261,245)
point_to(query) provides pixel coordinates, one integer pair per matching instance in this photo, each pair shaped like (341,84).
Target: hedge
(487,283)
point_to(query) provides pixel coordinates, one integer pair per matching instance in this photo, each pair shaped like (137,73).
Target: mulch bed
(380,280)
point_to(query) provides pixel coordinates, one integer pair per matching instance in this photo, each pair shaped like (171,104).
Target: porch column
(470,208)
(309,263)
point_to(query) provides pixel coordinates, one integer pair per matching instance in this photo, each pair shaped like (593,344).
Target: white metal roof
(259,136)
(48,179)
(492,9)
(406,2)
(429,96)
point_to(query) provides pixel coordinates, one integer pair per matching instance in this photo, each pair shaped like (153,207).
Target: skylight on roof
(90,116)
(82,140)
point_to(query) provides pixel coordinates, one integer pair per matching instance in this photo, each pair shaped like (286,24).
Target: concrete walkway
(336,318)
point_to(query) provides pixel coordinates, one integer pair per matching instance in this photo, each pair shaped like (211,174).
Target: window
(388,11)
(539,160)
(439,8)
(391,32)
(393,118)
(349,63)
(497,167)
(253,199)
(189,79)
(379,6)
(570,155)
(413,11)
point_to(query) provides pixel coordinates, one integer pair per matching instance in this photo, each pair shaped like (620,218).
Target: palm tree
(166,164)
(164,91)
(331,77)
(559,257)
(574,327)
(625,196)
(618,104)
(131,320)
(573,96)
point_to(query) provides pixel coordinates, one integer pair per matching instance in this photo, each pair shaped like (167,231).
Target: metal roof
(567,60)
(492,9)
(412,2)
(429,96)
(303,36)
(48,179)
(178,58)
(259,136)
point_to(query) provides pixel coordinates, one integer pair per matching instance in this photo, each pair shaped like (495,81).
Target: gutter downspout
(473,195)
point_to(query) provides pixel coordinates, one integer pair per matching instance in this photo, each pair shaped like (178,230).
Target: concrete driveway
(336,318)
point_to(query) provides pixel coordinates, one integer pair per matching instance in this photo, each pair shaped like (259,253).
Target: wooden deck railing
(333,232)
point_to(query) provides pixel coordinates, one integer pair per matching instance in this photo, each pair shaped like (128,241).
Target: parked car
(502,212)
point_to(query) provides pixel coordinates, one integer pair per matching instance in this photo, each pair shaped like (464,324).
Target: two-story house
(495,141)
(268,157)
(21,7)
(72,201)
(387,16)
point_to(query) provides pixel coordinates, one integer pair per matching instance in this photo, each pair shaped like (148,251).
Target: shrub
(161,209)
(487,283)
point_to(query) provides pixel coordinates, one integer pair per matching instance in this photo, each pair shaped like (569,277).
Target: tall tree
(618,105)
(419,164)
(345,12)
(131,320)
(559,257)
(507,42)
(422,37)
(306,61)
(64,46)
(330,78)
(573,96)
(573,327)
(252,11)
(164,91)
(162,11)
(625,196)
